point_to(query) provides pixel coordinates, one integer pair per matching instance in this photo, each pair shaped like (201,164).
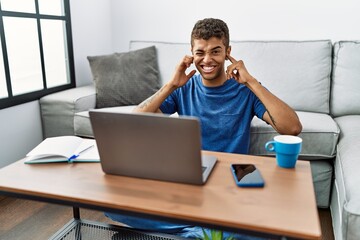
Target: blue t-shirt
(225,112)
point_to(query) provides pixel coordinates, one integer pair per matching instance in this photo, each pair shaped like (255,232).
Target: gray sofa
(319,79)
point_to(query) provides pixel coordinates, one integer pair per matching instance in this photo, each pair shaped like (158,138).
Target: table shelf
(79,229)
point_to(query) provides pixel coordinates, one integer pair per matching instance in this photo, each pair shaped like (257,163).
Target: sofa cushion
(125,78)
(169,56)
(298,72)
(346,194)
(322,173)
(345,92)
(82,125)
(320,135)
(58,109)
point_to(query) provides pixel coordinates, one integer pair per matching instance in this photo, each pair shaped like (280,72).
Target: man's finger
(187,61)
(191,74)
(232,60)
(189,58)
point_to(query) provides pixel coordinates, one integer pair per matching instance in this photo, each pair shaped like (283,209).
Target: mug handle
(270,146)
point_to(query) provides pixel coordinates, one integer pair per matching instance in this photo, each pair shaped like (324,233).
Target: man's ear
(228,51)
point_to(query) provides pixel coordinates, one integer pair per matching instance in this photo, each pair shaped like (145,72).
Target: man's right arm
(153,103)
(180,78)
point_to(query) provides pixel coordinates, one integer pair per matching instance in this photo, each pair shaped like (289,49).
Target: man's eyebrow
(215,48)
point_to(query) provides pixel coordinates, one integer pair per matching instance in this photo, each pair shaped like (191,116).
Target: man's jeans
(186,231)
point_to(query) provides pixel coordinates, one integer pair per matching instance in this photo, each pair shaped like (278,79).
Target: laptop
(151,146)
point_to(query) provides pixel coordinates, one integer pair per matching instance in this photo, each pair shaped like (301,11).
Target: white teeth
(208,69)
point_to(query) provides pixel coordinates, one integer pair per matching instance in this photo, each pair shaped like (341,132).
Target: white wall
(20,130)
(96,33)
(247,20)
(92,31)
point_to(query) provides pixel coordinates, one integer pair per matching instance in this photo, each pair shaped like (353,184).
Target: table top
(285,206)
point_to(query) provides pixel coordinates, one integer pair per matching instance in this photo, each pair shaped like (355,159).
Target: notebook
(151,146)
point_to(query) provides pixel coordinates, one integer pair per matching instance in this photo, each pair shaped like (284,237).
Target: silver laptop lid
(153,146)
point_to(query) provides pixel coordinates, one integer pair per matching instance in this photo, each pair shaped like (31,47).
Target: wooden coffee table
(286,206)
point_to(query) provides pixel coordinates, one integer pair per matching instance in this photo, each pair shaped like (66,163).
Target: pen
(78,154)
(85,149)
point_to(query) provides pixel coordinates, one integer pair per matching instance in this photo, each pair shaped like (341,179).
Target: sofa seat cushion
(320,136)
(82,125)
(320,133)
(346,198)
(348,157)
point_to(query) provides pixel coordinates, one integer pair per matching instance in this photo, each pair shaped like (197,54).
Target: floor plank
(24,219)
(37,219)
(326,224)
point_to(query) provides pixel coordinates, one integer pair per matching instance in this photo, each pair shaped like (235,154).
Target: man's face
(209,58)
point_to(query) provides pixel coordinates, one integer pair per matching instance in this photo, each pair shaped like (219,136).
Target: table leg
(76,213)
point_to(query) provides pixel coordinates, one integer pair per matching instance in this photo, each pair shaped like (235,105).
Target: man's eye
(199,54)
(216,52)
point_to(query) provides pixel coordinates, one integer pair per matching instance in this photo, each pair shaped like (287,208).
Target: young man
(225,101)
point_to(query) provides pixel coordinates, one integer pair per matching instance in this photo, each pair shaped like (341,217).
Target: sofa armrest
(58,109)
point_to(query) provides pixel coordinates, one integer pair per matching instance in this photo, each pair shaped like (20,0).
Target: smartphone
(247,175)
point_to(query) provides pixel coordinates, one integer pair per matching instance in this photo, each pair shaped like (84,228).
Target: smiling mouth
(208,69)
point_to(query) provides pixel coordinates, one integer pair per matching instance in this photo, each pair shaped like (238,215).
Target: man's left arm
(278,114)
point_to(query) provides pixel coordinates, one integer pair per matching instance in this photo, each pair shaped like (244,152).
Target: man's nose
(207,57)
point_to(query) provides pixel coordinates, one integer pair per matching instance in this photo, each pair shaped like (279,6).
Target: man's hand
(180,77)
(153,103)
(237,70)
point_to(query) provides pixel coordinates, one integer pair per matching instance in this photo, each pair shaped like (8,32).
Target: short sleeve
(259,108)
(169,106)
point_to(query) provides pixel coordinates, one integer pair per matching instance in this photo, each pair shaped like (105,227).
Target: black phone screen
(247,175)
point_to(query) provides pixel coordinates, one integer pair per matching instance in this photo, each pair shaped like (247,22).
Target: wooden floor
(24,219)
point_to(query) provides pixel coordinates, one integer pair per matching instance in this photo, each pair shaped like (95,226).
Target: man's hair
(208,28)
